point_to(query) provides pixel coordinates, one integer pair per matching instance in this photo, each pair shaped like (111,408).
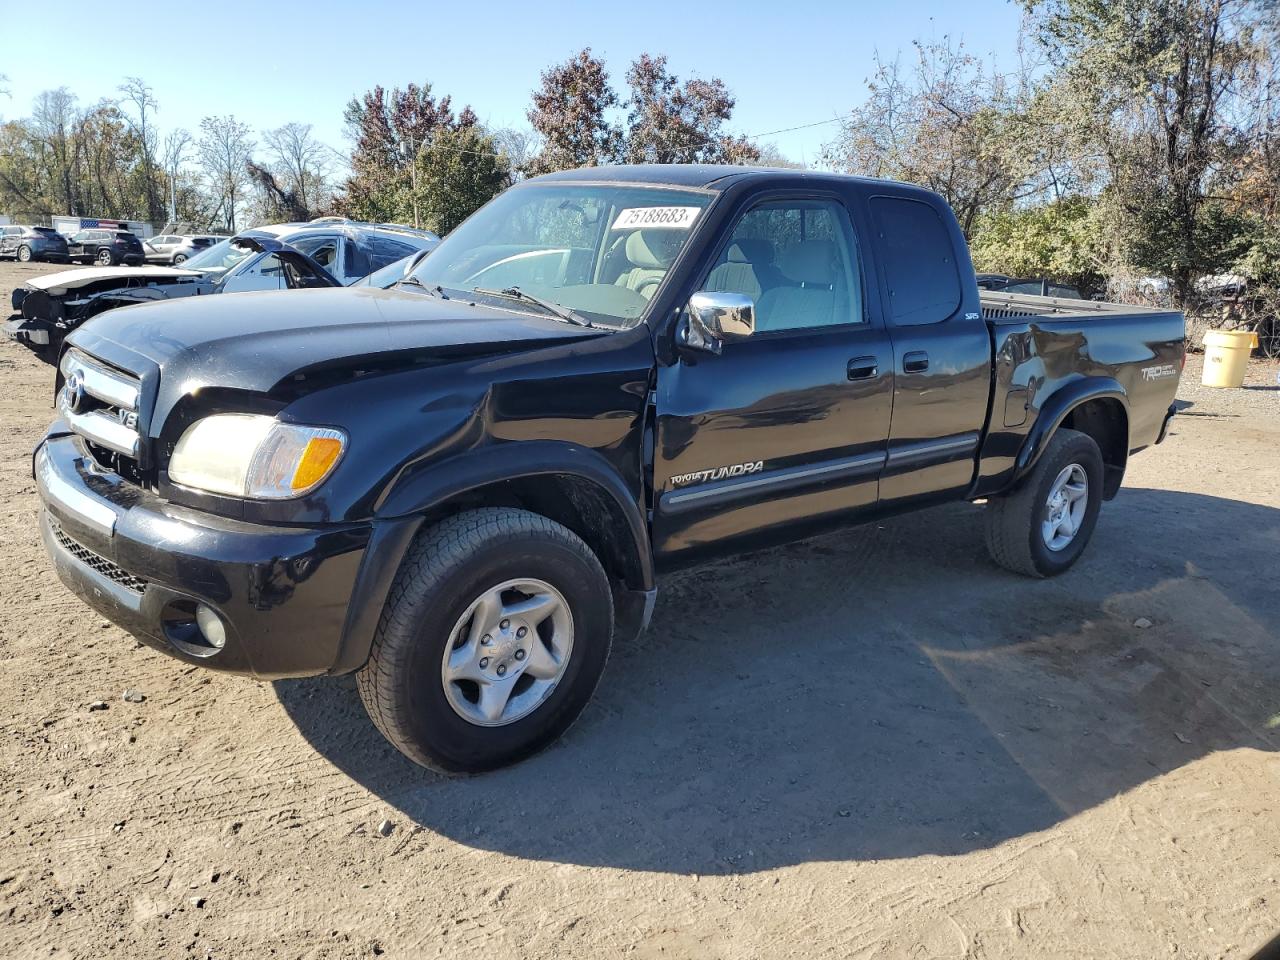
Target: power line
(803,126)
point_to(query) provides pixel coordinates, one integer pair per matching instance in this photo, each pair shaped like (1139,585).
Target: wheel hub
(507,652)
(1065,507)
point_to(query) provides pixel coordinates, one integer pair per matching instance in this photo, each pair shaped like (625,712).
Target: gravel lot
(875,744)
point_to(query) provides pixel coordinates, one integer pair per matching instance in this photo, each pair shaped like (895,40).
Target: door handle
(863,368)
(917,361)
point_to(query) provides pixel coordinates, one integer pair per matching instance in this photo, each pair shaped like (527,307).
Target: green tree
(459,171)
(389,129)
(1061,240)
(1152,83)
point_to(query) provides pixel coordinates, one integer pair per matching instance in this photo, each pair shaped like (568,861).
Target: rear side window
(383,251)
(919,262)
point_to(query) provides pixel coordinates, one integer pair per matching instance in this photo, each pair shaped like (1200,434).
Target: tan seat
(650,253)
(811,265)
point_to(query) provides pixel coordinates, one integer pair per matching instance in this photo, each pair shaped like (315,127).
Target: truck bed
(1052,346)
(1002,306)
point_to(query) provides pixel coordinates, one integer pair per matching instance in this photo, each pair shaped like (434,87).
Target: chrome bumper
(95,514)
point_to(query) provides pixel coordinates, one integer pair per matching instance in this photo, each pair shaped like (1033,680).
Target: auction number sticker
(656,218)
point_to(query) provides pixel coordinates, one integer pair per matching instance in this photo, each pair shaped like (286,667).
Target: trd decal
(717,473)
(1157,373)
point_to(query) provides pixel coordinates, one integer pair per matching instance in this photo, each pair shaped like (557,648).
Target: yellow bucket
(1226,357)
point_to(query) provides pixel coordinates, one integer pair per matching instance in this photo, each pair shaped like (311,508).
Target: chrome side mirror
(712,318)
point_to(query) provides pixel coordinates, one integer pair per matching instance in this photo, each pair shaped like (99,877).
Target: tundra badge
(717,473)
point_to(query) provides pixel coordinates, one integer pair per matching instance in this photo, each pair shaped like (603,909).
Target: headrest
(812,261)
(751,250)
(653,249)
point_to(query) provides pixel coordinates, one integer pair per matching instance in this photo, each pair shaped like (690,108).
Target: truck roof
(705,176)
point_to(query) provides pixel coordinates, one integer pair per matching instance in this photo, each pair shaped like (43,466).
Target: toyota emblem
(75,391)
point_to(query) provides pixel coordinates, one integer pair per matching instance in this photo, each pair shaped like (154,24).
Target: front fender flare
(419,487)
(1055,409)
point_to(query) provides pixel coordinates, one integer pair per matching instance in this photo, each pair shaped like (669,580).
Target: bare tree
(301,160)
(173,155)
(52,128)
(137,92)
(950,123)
(225,150)
(519,147)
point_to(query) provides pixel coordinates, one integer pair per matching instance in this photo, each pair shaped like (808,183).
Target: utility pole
(413,173)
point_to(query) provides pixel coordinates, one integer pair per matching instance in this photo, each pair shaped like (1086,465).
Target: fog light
(211,628)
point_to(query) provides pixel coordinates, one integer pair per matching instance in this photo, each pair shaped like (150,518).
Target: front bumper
(145,564)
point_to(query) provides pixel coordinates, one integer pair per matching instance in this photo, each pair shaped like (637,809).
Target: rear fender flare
(1056,408)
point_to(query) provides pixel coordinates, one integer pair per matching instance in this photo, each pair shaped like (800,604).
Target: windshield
(218,259)
(601,251)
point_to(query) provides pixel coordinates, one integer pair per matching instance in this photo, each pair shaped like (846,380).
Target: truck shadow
(879,693)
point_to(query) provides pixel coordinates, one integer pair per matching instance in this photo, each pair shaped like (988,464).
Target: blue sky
(788,64)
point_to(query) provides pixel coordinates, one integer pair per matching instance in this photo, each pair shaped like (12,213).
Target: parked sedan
(175,249)
(106,248)
(27,243)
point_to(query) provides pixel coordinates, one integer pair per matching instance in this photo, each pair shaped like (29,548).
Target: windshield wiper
(436,291)
(515,293)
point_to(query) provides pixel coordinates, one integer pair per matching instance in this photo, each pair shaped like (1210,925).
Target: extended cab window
(797,260)
(919,262)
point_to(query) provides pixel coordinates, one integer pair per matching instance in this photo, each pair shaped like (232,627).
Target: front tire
(24,254)
(1042,526)
(496,631)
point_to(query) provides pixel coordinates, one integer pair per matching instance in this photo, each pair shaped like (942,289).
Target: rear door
(789,424)
(941,349)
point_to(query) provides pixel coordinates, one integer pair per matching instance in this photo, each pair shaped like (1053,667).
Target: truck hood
(60,283)
(254,341)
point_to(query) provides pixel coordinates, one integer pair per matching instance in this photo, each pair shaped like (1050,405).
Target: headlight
(249,455)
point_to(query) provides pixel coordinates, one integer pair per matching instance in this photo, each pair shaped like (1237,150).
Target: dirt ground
(875,744)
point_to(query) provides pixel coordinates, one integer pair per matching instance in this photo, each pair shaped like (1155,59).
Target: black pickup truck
(464,487)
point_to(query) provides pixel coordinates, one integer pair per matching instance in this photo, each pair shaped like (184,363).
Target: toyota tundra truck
(463,488)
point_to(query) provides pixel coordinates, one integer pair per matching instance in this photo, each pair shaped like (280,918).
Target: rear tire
(179,259)
(24,254)
(1042,526)
(105,258)
(436,615)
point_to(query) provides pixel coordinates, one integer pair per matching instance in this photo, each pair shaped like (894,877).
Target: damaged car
(282,257)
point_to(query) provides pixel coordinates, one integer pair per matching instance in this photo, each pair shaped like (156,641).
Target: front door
(791,423)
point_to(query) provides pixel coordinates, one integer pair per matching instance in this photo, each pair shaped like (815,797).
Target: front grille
(101,404)
(112,571)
